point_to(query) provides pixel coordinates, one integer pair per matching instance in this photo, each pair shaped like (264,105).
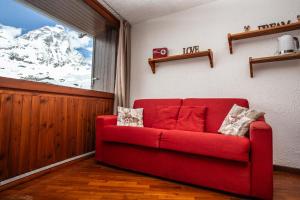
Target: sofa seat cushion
(206,144)
(132,135)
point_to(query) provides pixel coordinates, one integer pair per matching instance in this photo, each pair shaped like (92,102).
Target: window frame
(15,84)
(19,84)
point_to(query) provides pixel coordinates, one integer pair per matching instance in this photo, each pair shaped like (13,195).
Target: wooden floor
(87,180)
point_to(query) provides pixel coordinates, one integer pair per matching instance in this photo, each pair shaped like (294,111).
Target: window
(37,47)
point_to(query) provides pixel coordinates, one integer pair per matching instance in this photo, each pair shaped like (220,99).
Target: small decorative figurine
(192,49)
(298,17)
(247,28)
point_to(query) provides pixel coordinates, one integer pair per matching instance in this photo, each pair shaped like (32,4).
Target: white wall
(275,89)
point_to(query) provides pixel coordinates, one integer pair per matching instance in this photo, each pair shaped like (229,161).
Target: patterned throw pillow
(238,120)
(130,117)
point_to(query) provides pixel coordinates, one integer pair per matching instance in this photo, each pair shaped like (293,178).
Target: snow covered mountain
(48,54)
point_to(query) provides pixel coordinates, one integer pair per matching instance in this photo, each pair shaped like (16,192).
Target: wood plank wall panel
(38,129)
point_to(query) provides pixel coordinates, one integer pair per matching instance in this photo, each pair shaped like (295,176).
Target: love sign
(192,49)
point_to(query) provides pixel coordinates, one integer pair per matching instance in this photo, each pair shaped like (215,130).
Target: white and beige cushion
(238,120)
(130,117)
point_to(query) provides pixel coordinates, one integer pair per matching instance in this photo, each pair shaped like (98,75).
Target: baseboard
(42,171)
(286,169)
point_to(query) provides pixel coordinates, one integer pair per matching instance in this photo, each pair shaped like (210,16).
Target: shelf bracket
(230,43)
(250,67)
(152,65)
(211,58)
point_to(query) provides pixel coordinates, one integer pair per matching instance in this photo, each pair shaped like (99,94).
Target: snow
(8,34)
(48,54)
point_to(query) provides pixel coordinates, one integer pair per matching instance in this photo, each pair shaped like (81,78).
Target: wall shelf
(153,61)
(257,33)
(289,56)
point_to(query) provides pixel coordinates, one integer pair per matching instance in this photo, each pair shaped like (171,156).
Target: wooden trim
(43,172)
(286,169)
(15,84)
(257,33)
(103,12)
(152,61)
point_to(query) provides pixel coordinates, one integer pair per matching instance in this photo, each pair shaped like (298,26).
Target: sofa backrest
(150,105)
(217,109)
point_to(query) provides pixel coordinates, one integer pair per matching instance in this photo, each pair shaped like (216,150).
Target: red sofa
(240,165)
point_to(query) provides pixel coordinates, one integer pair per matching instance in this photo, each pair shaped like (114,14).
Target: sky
(15,14)
(18,15)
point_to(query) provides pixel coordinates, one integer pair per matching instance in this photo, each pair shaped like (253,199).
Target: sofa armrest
(101,122)
(261,158)
(105,120)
